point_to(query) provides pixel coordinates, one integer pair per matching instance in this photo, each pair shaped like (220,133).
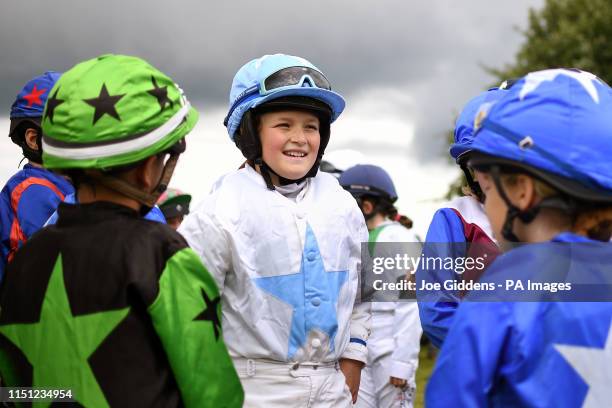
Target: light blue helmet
(557,125)
(469,120)
(274,76)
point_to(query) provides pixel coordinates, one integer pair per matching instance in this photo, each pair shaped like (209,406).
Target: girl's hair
(590,219)
(385,207)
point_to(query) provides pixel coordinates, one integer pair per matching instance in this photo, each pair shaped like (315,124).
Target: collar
(92,213)
(570,237)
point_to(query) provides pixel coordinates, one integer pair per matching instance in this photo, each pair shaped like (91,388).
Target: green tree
(563,33)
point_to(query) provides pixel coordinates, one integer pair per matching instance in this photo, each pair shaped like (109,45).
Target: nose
(298,136)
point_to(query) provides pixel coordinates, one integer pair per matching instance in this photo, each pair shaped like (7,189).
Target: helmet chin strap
(474,185)
(513,211)
(147,200)
(557,202)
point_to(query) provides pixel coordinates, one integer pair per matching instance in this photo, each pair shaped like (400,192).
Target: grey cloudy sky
(405,67)
(426,54)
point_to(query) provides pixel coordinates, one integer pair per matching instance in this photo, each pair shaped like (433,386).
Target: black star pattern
(52,103)
(161,94)
(104,104)
(210,313)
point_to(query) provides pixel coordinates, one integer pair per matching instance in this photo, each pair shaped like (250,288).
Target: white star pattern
(594,365)
(586,79)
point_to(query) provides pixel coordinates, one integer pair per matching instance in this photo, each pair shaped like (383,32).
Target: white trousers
(269,384)
(375,391)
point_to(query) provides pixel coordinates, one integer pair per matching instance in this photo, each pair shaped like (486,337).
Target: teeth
(295,154)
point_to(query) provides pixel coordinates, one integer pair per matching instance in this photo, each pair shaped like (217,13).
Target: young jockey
(283,242)
(113,308)
(459,229)
(33,193)
(543,154)
(174,204)
(393,347)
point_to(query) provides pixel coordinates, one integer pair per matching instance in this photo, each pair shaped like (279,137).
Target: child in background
(543,159)
(174,204)
(455,227)
(283,242)
(33,193)
(388,380)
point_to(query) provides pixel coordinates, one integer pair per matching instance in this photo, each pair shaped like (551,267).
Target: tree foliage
(563,33)
(566,33)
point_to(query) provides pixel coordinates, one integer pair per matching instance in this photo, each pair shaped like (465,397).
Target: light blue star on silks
(312,292)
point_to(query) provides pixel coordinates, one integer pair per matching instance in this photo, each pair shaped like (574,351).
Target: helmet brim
(335,102)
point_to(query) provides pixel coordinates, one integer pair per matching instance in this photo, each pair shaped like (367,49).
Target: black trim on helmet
(565,185)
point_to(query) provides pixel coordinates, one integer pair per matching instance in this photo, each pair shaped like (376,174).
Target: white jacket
(288,269)
(396,327)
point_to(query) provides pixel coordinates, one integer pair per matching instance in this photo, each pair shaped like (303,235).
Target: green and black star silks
(131,319)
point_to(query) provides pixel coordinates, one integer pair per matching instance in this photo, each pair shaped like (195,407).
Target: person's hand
(398,382)
(352,372)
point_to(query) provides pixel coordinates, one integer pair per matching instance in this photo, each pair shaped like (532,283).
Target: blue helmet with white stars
(469,120)
(555,124)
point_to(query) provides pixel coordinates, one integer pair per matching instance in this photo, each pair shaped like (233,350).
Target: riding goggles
(286,78)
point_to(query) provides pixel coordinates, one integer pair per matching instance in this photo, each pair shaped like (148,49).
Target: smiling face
(290,142)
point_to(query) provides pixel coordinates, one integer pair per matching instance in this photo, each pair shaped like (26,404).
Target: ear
(149,172)
(367,207)
(523,194)
(30,137)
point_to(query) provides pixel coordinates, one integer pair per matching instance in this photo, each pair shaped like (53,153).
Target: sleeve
(407,341)
(472,356)
(208,239)
(36,205)
(445,238)
(361,316)
(187,317)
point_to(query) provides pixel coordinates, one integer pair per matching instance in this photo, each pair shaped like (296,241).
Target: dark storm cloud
(428,49)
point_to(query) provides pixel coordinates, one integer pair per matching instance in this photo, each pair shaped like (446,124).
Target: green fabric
(187,315)
(137,97)
(59,344)
(373,237)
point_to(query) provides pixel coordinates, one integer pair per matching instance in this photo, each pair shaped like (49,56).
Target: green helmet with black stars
(111,111)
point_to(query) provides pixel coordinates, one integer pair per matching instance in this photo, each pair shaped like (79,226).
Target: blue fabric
(528,354)
(313,294)
(244,94)
(30,101)
(154,215)
(566,114)
(35,206)
(466,125)
(364,176)
(444,238)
